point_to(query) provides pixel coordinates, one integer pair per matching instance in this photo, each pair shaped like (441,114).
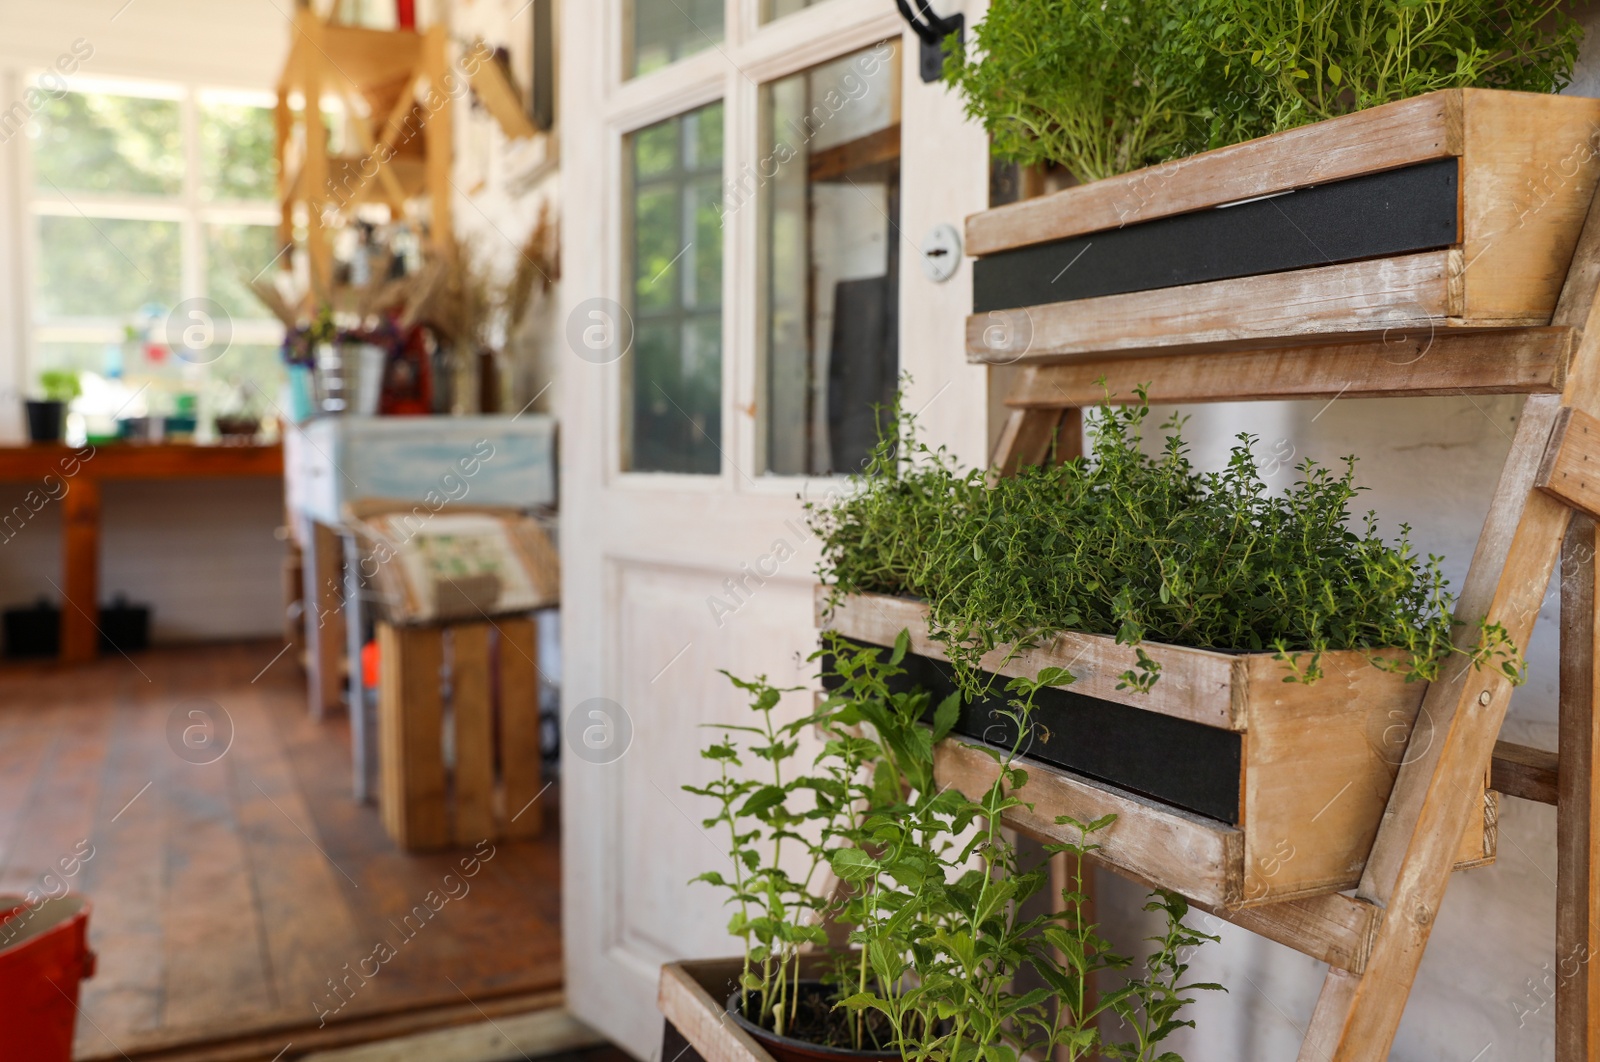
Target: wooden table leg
(80,571)
(323,623)
(1577,862)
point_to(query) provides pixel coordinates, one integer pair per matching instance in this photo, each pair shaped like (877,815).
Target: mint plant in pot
(914,950)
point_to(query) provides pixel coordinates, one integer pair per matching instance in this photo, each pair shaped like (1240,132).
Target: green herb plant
(1142,548)
(1106,86)
(59,385)
(933,894)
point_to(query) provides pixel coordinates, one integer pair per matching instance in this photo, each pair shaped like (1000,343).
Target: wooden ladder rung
(1498,361)
(1523,771)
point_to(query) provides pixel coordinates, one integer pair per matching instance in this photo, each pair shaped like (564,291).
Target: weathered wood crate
(1230,786)
(692,997)
(489,788)
(1453,211)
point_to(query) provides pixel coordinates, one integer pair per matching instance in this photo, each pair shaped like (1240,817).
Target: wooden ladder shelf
(1543,512)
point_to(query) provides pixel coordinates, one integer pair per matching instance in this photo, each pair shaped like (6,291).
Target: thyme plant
(1139,547)
(933,891)
(1107,86)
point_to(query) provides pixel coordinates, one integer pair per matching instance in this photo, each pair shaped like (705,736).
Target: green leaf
(946,715)
(852,864)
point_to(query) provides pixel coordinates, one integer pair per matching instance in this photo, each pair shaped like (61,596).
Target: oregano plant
(1143,547)
(1102,87)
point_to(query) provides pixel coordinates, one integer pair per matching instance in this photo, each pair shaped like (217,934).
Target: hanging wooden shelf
(1230,786)
(1454,211)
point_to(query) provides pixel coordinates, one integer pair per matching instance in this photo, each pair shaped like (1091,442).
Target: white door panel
(667,578)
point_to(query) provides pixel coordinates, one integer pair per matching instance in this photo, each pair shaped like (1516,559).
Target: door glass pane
(673,393)
(829,192)
(663,31)
(775,9)
(106,267)
(99,142)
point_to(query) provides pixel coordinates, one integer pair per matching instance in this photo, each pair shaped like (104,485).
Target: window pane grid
(141,201)
(674,405)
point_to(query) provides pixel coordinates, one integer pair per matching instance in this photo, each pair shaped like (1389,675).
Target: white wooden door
(705,390)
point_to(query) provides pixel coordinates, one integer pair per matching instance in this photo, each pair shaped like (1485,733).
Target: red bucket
(44,954)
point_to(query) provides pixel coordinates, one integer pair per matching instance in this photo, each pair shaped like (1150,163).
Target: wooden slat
(1195,856)
(1409,867)
(520,765)
(324,620)
(1036,437)
(1524,772)
(1510,361)
(1356,1018)
(1578,804)
(1195,684)
(684,1000)
(469,698)
(1571,468)
(501,99)
(410,720)
(841,160)
(1397,134)
(1409,293)
(165,461)
(1334,929)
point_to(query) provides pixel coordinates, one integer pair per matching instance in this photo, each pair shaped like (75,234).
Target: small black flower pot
(788,1049)
(46,420)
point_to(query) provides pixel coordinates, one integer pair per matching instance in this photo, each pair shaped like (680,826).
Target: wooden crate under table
(425,803)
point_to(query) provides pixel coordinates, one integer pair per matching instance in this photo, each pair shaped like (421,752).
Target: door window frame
(751,55)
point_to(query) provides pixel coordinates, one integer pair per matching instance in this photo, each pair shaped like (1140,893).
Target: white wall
(1480,996)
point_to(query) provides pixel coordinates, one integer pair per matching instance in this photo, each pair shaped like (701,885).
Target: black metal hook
(933,29)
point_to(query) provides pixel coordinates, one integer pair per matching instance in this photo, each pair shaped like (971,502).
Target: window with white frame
(143,195)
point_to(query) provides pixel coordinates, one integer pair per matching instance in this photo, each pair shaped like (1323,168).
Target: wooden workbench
(83,469)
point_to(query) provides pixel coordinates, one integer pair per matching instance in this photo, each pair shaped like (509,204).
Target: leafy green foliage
(1311,59)
(1139,547)
(1101,86)
(59,385)
(1104,88)
(935,892)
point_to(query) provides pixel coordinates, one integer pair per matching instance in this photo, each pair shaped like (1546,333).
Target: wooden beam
(1038,436)
(1195,684)
(1334,929)
(1192,855)
(1408,294)
(1571,468)
(500,99)
(837,162)
(1508,361)
(1397,134)
(1577,804)
(1524,772)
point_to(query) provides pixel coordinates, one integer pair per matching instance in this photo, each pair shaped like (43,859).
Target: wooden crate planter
(1453,211)
(428,804)
(1230,786)
(692,997)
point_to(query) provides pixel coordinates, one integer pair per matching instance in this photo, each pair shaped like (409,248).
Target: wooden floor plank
(209,902)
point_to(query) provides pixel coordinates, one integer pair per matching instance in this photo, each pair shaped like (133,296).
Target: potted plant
(1230,660)
(915,951)
(47,416)
(1388,167)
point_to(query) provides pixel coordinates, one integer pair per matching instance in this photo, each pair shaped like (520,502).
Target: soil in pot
(819,1030)
(46,421)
